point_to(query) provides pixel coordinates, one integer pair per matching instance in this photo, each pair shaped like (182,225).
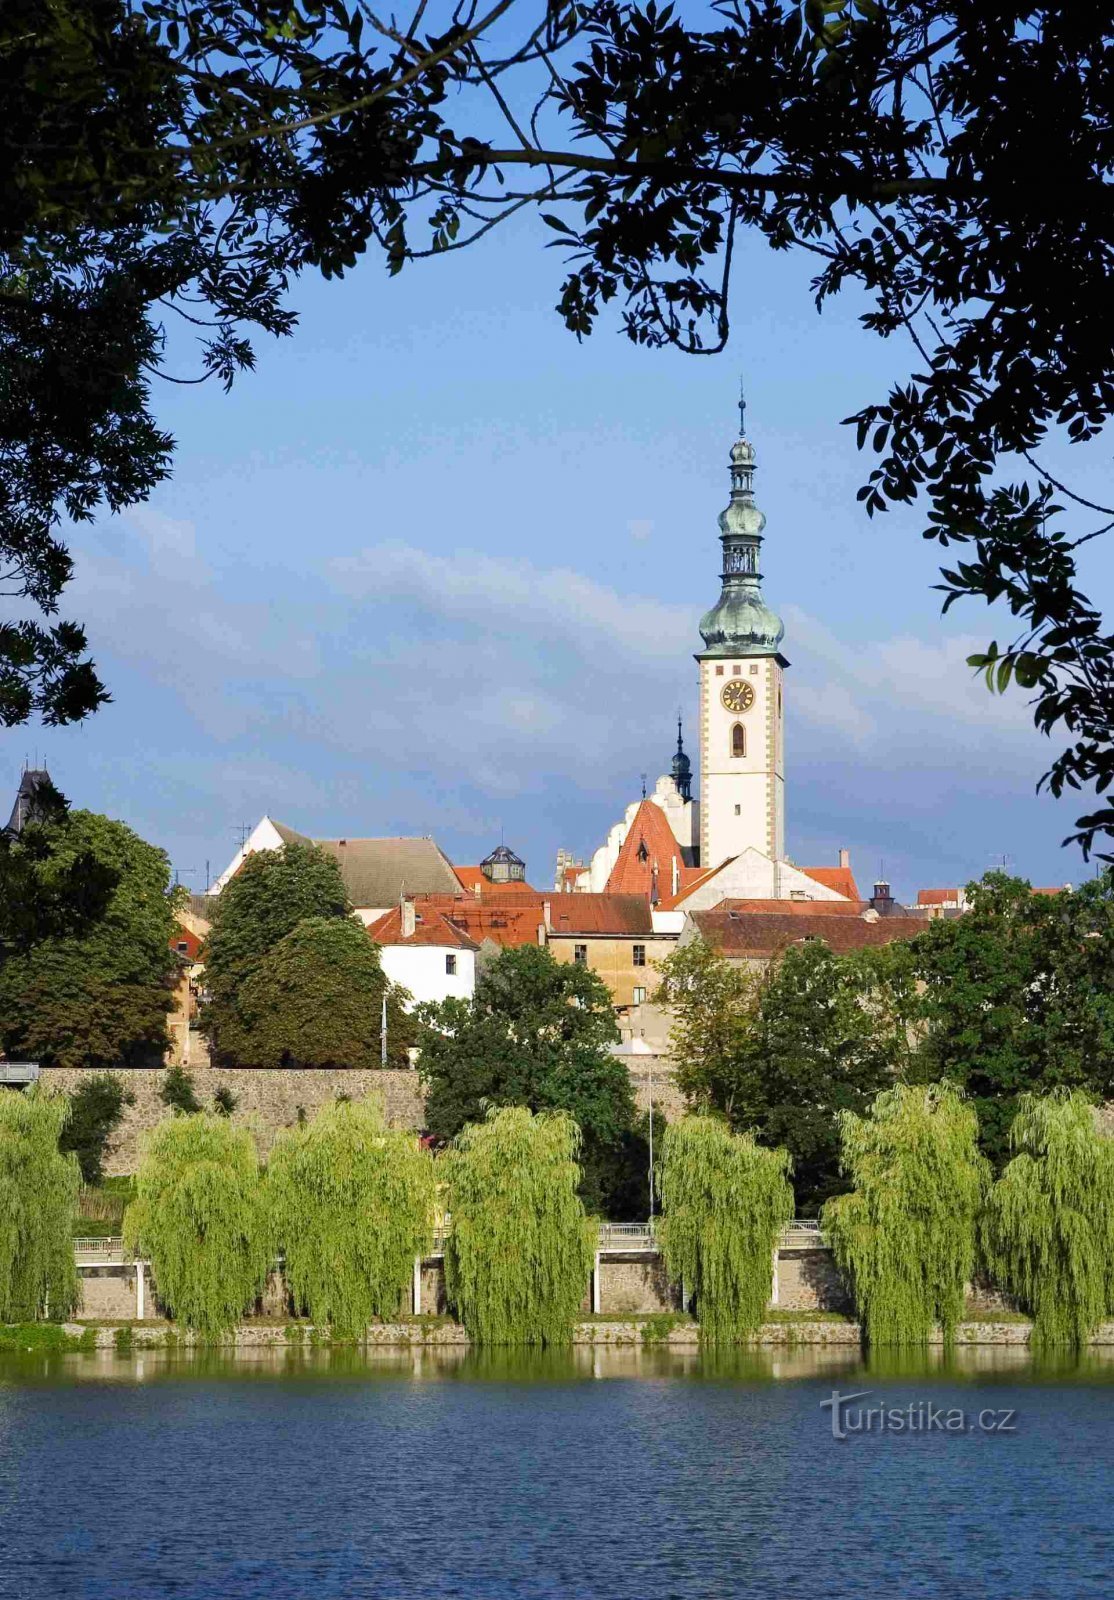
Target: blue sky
(435,568)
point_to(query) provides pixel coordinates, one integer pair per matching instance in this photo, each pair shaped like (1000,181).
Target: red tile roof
(759,937)
(472,878)
(937,897)
(691,879)
(617,914)
(841,879)
(796,908)
(646,861)
(431,927)
(506,922)
(191,940)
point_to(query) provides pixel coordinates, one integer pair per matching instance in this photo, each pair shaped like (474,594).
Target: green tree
(177,1091)
(1018,997)
(273,891)
(201,1217)
(905,1235)
(96,1108)
(315,999)
(725,1199)
(520,1250)
(1048,1232)
(98,997)
(38,1192)
(197,159)
(535,1034)
(814,1035)
(351,1205)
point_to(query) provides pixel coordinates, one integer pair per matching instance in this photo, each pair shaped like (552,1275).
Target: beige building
(613,935)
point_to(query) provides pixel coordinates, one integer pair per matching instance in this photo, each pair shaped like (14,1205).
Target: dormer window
(643,853)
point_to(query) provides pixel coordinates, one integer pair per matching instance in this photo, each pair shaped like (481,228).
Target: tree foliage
(725,1199)
(162,162)
(96,995)
(520,1250)
(905,1236)
(200,1215)
(315,999)
(783,1052)
(38,1193)
(1048,1232)
(97,1105)
(1018,997)
(351,1205)
(535,1034)
(177,1091)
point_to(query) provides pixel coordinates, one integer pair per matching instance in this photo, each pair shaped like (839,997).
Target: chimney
(478,890)
(676,876)
(547,917)
(654,895)
(845,859)
(882,900)
(409,922)
(541,931)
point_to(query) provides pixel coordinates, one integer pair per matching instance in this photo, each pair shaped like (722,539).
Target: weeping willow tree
(351,1205)
(906,1234)
(200,1215)
(1048,1229)
(724,1200)
(520,1249)
(38,1194)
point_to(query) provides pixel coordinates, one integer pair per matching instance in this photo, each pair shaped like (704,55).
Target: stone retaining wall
(266,1100)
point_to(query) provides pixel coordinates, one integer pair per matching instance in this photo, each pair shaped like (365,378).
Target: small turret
(681,767)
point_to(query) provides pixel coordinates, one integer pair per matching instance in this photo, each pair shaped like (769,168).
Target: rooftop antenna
(243,829)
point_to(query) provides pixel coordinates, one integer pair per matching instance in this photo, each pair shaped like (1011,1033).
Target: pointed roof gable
(841,879)
(431,927)
(646,859)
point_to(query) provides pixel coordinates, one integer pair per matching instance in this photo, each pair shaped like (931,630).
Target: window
(738,740)
(719,672)
(738,811)
(639,996)
(580,954)
(754,670)
(736,671)
(450,966)
(183,948)
(638,954)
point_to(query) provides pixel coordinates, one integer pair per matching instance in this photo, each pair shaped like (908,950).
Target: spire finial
(742,409)
(680,741)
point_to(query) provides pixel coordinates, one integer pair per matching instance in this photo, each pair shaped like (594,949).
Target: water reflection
(458,1363)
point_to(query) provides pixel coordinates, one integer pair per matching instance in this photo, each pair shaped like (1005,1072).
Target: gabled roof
(431,927)
(841,879)
(645,863)
(599,914)
(507,924)
(743,935)
(378,872)
(288,835)
(693,878)
(937,897)
(26,807)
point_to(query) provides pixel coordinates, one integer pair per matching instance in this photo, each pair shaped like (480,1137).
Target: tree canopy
(163,162)
(38,1194)
(98,995)
(315,999)
(535,1034)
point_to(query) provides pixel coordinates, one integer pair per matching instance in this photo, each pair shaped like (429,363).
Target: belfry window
(738,740)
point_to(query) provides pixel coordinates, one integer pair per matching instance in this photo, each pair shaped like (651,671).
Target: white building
(424,952)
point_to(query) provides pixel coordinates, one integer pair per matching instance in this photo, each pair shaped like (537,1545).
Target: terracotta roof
(937,897)
(378,872)
(762,936)
(691,878)
(797,908)
(646,859)
(507,923)
(191,940)
(431,927)
(572,914)
(841,879)
(471,877)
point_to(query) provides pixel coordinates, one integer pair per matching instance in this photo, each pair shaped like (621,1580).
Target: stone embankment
(677,1335)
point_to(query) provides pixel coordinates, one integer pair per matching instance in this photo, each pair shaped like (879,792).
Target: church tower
(742,747)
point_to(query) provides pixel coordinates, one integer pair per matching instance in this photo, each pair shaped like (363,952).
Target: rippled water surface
(607,1475)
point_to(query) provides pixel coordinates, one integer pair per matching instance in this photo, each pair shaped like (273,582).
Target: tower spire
(681,766)
(742,409)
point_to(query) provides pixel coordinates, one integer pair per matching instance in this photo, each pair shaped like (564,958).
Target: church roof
(645,862)
(377,872)
(841,879)
(27,807)
(431,927)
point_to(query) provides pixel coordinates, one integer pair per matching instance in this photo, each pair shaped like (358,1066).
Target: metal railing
(802,1233)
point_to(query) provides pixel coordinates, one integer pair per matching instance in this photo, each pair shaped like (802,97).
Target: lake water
(599,1475)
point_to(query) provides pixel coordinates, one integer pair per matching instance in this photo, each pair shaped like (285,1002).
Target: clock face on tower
(737,696)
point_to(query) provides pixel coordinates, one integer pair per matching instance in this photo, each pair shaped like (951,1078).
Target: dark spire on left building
(681,767)
(35,798)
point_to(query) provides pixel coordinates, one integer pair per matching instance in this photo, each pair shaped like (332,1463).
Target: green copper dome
(741,623)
